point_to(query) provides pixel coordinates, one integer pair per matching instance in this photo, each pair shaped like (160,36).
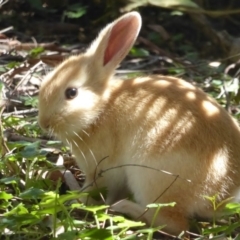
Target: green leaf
(51,142)
(103,216)
(9,180)
(232,86)
(100,234)
(40,184)
(176,70)
(32,193)
(139,52)
(2,86)
(13,64)
(216,83)
(172,4)
(128,224)
(69,235)
(94,209)
(5,196)
(227,229)
(36,51)
(151,230)
(31,101)
(16,221)
(18,210)
(156,205)
(75,11)
(31,150)
(231,208)
(18,144)
(71,195)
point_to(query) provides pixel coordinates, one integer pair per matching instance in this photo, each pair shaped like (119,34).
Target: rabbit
(158,139)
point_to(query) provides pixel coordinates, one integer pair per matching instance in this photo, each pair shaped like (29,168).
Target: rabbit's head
(72,96)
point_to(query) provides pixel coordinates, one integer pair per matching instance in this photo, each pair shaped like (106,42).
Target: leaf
(156,205)
(172,4)
(70,235)
(5,196)
(32,193)
(71,195)
(13,64)
(216,83)
(128,224)
(232,205)
(75,11)
(232,86)
(94,209)
(16,221)
(18,210)
(100,234)
(139,52)
(9,180)
(17,145)
(151,230)
(227,229)
(231,208)
(40,184)
(31,150)
(36,51)
(51,142)
(31,101)
(2,86)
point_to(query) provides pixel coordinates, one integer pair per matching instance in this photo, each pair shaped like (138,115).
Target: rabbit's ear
(122,36)
(114,43)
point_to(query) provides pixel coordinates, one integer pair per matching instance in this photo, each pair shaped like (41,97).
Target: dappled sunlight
(191,95)
(220,165)
(209,109)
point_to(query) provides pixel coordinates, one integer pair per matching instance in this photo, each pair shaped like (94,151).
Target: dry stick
(3,2)
(96,176)
(153,60)
(8,58)
(6,29)
(8,76)
(20,112)
(31,71)
(158,50)
(17,45)
(228,100)
(15,137)
(165,190)
(3,142)
(138,165)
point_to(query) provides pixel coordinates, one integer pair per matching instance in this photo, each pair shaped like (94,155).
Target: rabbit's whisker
(91,152)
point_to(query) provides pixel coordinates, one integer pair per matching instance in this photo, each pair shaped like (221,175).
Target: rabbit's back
(169,125)
(163,115)
(173,112)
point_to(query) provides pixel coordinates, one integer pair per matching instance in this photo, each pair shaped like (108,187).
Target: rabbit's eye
(71,93)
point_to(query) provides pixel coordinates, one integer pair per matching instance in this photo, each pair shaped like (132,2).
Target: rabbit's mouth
(63,128)
(55,126)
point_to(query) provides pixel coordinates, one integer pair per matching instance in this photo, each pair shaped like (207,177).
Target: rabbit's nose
(43,123)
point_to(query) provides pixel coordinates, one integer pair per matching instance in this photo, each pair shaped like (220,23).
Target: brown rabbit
(156,138)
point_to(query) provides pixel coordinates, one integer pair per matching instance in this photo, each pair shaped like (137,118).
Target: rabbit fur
(157,138)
